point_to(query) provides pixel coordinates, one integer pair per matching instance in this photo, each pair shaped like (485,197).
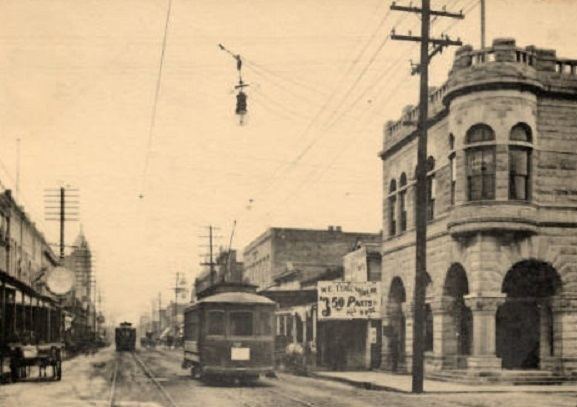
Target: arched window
(520,162)
(431,188)
(392,208)
(480,155)
(403,202)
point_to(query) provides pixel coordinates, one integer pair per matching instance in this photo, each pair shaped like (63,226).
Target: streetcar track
(149,375)
(113,384)
(291,398)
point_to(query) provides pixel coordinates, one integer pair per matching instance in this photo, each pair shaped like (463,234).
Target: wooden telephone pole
(421,187)
(211,237)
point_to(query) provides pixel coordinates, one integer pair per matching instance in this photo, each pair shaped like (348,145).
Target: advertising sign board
(348,300)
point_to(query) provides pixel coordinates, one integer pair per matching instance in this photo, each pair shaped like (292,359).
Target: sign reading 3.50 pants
(348,300)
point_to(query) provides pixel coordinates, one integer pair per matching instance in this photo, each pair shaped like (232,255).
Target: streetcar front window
(241,324)
(216,323)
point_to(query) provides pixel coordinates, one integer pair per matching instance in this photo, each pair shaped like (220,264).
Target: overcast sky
(77,86)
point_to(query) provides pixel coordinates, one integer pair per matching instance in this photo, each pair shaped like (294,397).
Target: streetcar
(229,334)
(125,337)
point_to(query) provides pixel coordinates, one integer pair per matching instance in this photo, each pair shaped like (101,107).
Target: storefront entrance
(346,345)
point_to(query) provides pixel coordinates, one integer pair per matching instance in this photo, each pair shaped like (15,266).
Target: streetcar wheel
(248,380)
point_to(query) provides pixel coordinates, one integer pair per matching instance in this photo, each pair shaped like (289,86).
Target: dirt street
(87,381)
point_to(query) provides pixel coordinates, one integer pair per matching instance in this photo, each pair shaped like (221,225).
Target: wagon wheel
(195,372)
(58,369)
(15,368)
(56,364)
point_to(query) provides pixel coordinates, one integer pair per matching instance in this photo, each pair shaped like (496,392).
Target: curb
(355,383)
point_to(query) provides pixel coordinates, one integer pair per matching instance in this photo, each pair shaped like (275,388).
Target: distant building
(80,262)
(80,302)
(502,217)
(289,264)
(280,252)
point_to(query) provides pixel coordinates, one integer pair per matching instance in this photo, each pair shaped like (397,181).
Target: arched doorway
(456,287)
(524,321)
(397,296)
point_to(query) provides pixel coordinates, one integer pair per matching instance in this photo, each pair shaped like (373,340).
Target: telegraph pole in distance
(211,262)
(66,209)
(175,311)
(483,22)
(421,187)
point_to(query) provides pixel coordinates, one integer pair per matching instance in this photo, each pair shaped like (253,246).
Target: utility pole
(421,187)
(61,206)
(483,10)
(159,316)
(227,269)
(18,167)
(175,312)
(211,262)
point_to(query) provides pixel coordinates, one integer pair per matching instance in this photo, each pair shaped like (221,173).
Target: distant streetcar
(229,333)
(125,337)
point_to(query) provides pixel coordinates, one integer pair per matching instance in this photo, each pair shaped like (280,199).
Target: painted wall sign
(348,300)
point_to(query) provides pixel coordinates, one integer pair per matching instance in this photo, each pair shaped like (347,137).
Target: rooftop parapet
(502,63)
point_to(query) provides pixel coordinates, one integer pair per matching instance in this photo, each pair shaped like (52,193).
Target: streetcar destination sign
(348,300)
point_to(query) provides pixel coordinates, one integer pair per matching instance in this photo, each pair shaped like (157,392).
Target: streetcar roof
(236,297)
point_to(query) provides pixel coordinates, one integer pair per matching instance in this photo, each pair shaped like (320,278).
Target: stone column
(484,310)
(564,309)
(444,333)
(546,361)
(386,356)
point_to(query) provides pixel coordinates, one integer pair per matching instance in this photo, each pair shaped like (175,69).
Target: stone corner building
(502,212)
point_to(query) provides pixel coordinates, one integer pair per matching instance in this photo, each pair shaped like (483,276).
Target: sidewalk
(402,384)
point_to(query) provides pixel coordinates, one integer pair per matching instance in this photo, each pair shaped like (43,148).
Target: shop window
(300,328)
(265,323)
(392,208)
(403,202)
(241,323)
(289,325)
(309,329)
(480,163)
(520,162)
(216,323)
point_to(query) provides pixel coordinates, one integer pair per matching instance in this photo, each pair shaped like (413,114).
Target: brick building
(502,217)
(282,251)
(287,265)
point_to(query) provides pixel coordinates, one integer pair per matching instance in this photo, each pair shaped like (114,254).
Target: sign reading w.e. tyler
(348,300)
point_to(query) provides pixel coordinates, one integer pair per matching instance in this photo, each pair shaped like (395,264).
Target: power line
(156,95)
(367,66)
(312,177)
(314,120)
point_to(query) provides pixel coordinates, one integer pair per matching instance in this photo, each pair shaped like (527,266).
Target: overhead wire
(317,116)
(316,174)
(381,76)
(156,97)
(366,67)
